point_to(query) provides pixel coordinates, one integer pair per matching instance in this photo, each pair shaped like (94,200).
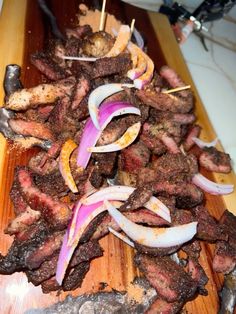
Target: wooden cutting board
(22,31)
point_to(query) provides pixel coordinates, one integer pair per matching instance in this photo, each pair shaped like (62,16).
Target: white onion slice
(153,237)
(121,237)
(99,94)
(202,144)
(88,59)
(212,187)
(122,193)
(125,140)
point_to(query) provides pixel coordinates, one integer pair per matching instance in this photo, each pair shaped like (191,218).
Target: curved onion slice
(203,144)
(122,193)
(91,134)
(125,140)
(121,236)
(99,94)
(84,216)
(212,187)
(141,66)
(145,78)
(153,237)
(64,164)
(121,42)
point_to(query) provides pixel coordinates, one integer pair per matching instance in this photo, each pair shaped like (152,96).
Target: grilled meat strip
(41,94)
(169,279)
(214,160)
(31,128)
(83,253)
(160,306)
(225,253)
(56,213)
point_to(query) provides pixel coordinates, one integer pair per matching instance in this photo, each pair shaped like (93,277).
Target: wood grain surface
(23,30)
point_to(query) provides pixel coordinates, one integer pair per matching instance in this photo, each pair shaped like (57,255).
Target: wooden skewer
(177,89)
(132,26)
(102,18)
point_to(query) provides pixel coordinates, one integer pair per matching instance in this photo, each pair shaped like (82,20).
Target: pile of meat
(154,164)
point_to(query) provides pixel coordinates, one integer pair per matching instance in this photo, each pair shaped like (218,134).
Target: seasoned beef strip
(83,253)
(214,160)
(225,253)
(160,306)
(47,66)
(169,279)
(56,213)
(198,275)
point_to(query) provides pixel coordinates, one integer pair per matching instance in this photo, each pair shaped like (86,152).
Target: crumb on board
(93,19)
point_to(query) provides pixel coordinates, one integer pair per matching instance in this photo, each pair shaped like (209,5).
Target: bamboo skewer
(132,26)
(177,89)
(103,15)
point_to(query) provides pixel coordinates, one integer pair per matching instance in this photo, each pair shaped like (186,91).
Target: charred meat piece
(142,249)
(108,66)
(187,194)
(37,164)
(214,160)
(225,252)
(137,199)
(56,213)
(169,279)
(192,249)
(20,205)
(83,253)
(45,250)
(47,66)
(208,228)
(75,277)
(97,44)
(16,258)
(72,281)
(141,216)
(194,131)
(62,124)
(160,306)
(23,221)
(31,128)
(169,165)
(104,167)
(198,275)
(134,157)
(81,90)
(166,102)
(41,94)
(51,184)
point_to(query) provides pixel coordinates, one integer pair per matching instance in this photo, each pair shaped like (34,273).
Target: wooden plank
(115,267)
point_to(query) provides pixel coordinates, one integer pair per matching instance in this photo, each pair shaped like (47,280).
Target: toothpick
(102,18)
(132,26)
(177,89)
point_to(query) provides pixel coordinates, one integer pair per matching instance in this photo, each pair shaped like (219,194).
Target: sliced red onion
(84,216)
(125,140)
(99,94)
(153,237)
(203,144)
(212,187)
(91,134)
(122,193)
(121,237)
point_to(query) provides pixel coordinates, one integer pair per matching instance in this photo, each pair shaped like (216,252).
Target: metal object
(228,294)
(52,20)
(12,79)
(105,302)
